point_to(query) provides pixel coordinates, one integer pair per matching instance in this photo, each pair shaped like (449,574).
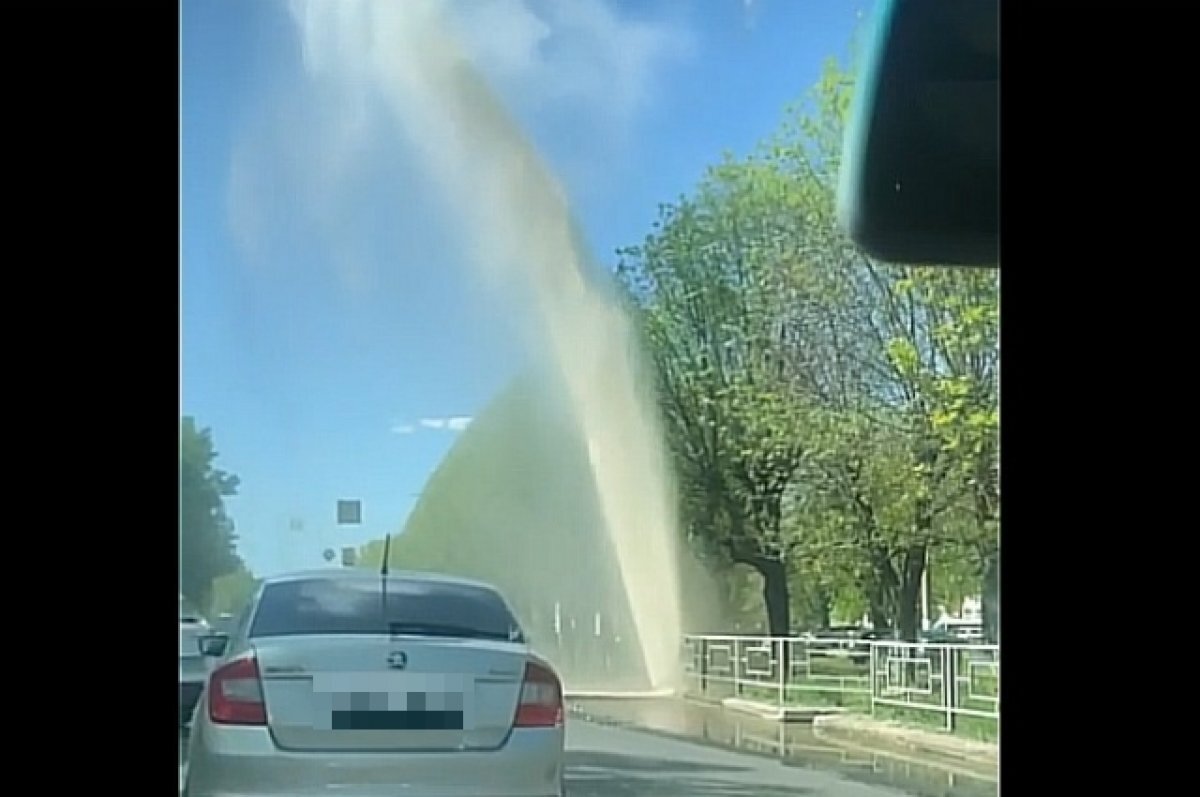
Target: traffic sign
(349,512)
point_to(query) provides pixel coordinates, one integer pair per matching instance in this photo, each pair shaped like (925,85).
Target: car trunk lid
(383,692)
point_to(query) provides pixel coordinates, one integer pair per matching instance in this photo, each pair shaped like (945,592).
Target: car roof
(355,574)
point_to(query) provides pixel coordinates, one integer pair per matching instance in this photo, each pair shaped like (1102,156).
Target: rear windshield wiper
(447,630)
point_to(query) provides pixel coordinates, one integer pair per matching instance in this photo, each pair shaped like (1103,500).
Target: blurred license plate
(370,720)
(394,706)
(397,711)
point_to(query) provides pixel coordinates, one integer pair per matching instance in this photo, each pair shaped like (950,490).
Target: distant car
(193,667)
(838,640)
(952,630)
(223,624)
(950,633)
(339,682)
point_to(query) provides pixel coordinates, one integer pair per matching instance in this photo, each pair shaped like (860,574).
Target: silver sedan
(353,683)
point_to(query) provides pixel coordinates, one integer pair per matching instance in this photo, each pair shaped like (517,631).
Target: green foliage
(824,409)
(207,539)
(232,591)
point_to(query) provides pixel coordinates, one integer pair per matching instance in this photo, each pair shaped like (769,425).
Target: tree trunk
(824,607)
(908,614)
(990,597)
(912,567)
(881,590)
(879,614)
(906,619)
(775,596)
(879,607)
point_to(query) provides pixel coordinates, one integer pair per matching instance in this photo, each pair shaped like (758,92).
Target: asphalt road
(615,762)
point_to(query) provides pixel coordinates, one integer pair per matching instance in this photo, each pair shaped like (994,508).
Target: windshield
(551,297)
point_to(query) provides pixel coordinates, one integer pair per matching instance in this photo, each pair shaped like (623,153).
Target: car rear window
(332,606)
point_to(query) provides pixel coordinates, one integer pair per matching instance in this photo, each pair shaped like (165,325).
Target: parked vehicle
(193,666)
(951,630)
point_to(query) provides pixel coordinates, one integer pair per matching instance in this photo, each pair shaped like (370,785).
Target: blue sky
(331,335)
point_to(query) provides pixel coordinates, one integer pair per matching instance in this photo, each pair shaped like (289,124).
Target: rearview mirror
(213,644)
(920,178)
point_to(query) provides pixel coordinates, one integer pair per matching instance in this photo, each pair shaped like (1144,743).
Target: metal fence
(937,684)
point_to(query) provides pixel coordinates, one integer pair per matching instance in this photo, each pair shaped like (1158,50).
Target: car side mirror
(213,645)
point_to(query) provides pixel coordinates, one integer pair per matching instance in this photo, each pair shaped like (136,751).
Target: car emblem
(397,660)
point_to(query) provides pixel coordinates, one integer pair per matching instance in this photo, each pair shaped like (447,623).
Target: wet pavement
(794,746)
(730,757)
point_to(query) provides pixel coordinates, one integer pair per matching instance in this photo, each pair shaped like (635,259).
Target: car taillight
(541,703)
(235,694)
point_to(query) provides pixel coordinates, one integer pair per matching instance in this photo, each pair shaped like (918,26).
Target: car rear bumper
(244,762)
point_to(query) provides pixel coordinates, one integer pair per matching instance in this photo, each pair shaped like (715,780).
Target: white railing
(935,682)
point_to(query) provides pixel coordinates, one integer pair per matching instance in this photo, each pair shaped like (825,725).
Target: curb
(598,694)
(890,736)
(779,713)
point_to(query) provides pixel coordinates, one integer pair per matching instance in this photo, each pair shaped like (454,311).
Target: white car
(352,683)
(193,666)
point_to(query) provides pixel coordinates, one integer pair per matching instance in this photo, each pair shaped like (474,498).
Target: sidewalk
(887,735)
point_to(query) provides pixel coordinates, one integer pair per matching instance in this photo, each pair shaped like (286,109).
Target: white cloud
(453,423)
(403,428)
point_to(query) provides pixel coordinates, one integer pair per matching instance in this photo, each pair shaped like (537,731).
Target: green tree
(910,382)
(232,591)
(207,539)
(966,420)
(706,287)
(829,414)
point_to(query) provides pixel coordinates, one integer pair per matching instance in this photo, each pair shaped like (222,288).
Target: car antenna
(383,571)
